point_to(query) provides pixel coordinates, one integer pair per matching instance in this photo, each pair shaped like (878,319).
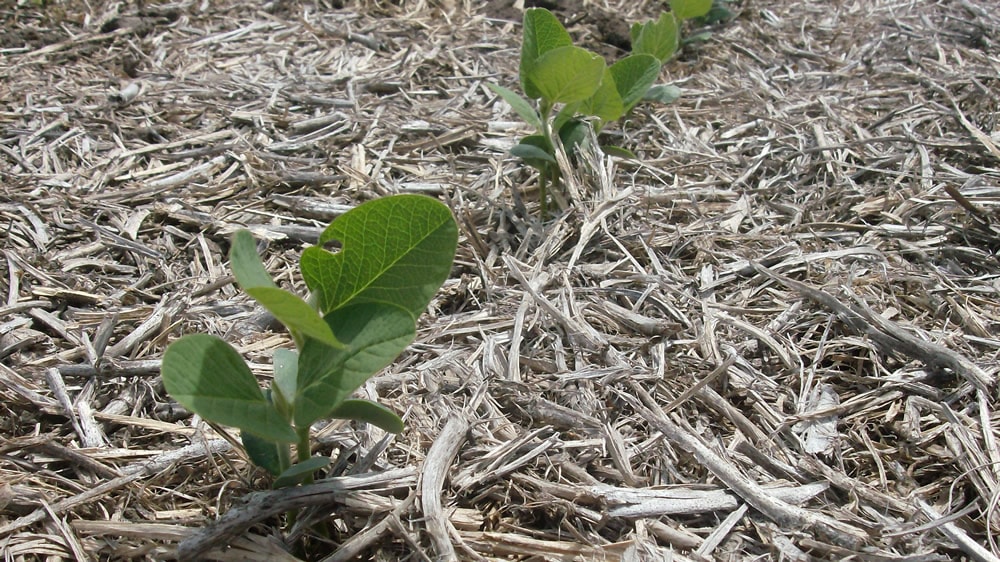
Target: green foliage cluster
(395,254)
(588,92)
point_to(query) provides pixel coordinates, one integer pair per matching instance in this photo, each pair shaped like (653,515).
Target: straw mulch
(772,336)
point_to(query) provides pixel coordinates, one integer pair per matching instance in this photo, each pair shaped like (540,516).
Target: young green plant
(394,254)
(572,88)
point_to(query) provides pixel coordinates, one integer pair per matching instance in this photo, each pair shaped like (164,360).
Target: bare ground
(773,336)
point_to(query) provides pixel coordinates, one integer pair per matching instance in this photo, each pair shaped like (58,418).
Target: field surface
(773,335)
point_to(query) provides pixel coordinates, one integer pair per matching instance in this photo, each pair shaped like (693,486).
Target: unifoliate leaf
(696,38)
(567,74)
(542,33)
(293,312)
(531,152)
(612,150)
(663,93)
(687,9)
(536,151)
(299,472)
(246,264)
(369,412)
(606,103)
(374,334)
(633,76)
(287,307)
(659,38)
(573,135)
(519,105)
(286,373)
(207,376)
(719,13)
(262,452)
(396,250)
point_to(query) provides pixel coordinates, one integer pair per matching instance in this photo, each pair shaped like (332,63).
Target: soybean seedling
(395,254)
(571,88)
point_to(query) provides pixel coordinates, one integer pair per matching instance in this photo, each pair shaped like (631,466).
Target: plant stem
(284,457)
(542,195)
(545,110)
(302,450)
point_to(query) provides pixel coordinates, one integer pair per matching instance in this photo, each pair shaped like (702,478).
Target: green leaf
(287,307)
(246,264)
(567,74)
(687,9)
(659,38)
(568,112)
(374,333)
(701,37)
(529,151)
(663,93)
(719,13)
(618,151)
(208,377)
(286,373)
(293,312)
(542,33)
(262,452)
(369,412)
(536,151)
(519,105)
(396,250)
(299,472)
(633,76)
(606,103)
(573,135)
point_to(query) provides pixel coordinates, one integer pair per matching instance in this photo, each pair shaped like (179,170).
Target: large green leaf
(395,250)
(207,376)
(519,105)
(369,412)
(542,33)
(659,38)
(633,76)
(374,334)
(687,9)
(606,103)
(567,74)
(288,308)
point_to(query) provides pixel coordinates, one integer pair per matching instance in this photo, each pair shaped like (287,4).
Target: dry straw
(773,336)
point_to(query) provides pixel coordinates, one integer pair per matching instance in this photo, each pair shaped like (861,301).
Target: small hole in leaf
(332,246)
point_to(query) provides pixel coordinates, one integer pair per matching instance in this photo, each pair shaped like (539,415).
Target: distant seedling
(572,88)
(395,254)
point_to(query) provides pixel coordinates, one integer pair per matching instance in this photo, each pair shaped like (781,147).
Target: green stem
(285,461)
(284,457)
(302,453)
(302,450)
